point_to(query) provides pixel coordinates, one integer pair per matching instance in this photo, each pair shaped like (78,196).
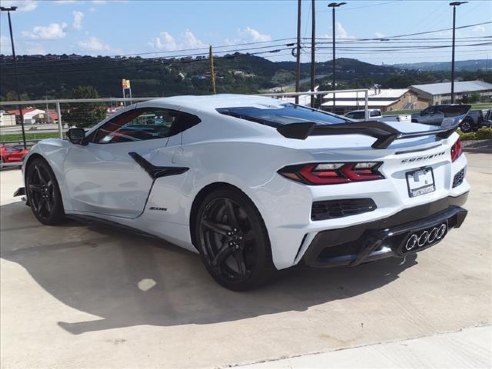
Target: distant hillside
(465,65)
(55,76)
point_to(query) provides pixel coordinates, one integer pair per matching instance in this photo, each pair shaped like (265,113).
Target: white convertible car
(255,184)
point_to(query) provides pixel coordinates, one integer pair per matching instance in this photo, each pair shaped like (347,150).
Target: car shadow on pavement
(130,280)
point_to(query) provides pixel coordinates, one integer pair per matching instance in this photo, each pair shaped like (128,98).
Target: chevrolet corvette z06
(255,184)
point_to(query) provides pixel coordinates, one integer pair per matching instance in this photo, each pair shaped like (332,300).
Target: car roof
(212,102)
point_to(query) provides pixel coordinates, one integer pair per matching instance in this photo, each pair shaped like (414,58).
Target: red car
(12,154)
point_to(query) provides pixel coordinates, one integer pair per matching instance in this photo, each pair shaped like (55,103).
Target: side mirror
(76,136)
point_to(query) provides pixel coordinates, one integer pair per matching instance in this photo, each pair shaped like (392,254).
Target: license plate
(420,182)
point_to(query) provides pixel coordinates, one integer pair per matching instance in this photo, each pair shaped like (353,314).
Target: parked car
(473,121)
(436,114)
(375,114)
(12,154)
(487,119)
(254,184)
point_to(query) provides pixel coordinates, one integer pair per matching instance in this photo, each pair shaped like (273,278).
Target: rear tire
(43,193)
(467,125)
(233,241)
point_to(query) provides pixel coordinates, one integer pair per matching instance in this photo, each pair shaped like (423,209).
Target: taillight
(332,173)
(456,150)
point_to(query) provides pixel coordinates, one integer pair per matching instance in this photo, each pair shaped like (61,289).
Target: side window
(356,115)
(183,122)
(144,124)
(375,113)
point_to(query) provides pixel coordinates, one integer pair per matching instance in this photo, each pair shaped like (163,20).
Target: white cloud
(191,42)
(51,32)
(255,36)
(248,35)
(379,35)
(22,5)
(478,29)
(166,42)
(65,1)
(78,17)
(94,44)
(340,32)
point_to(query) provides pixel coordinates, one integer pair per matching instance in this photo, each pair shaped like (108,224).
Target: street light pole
(8,10)
(333,6)
(298,56)
(454,5)
(313,49)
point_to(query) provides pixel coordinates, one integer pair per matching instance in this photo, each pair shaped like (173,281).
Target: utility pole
(298,56)
(333,85)
(212,70)
(313,46)
(454,5)
(21,114)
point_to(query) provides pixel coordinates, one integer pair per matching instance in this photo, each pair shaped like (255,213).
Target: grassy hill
(55,76)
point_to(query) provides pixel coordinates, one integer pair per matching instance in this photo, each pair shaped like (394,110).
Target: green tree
(84,114)
(475,97)
(12,96)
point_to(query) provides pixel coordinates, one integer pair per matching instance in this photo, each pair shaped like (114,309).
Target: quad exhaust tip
(426,237)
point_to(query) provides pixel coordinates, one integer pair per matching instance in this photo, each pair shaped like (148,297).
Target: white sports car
(255,184)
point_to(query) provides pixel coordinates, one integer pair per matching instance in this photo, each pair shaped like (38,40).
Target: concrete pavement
(468,348)
(81,296)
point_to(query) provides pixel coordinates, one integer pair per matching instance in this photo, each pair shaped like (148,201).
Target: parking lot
(80,296)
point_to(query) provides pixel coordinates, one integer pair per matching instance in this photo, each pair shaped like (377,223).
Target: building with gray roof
(440,93)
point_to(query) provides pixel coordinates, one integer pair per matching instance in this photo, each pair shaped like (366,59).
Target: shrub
(483,133)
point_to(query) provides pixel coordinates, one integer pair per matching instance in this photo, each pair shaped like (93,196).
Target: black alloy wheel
(466,125)
(233,241)
(43,193)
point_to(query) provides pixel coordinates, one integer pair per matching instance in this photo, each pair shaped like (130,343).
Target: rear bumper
(389,237)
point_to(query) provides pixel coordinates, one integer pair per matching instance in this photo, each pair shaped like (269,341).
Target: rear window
(356,115)
(285,114)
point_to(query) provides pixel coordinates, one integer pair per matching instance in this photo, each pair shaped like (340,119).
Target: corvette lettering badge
(420,158)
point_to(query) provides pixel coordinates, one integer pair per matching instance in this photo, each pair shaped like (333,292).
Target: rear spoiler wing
(382,132)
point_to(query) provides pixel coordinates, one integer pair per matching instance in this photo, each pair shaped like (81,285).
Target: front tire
(233,241)
(43,193)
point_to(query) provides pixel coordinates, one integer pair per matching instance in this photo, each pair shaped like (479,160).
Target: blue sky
(177,28)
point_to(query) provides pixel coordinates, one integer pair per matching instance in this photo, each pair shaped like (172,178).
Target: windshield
(285,114)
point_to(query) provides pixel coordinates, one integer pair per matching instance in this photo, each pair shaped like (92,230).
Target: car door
(104,178)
